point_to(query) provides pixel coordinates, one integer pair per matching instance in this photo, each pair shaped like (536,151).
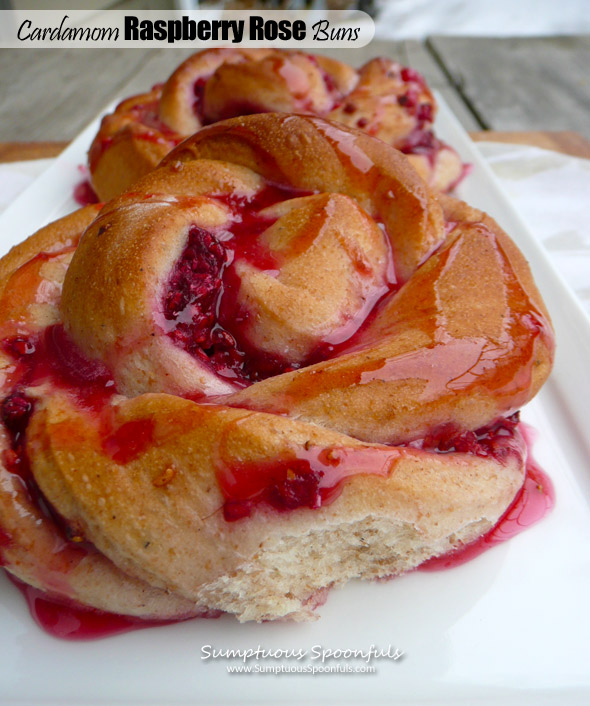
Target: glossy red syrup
(532,502)
(448,366)
(84,194)
(51,355)
(200,301)
(71,621)
(312,477)
(130,440)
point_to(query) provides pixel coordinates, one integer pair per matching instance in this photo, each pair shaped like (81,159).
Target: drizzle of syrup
(84,194)
(68,620)
(502,366)
(532,502)
(130,440)
(201,299)
(52,355)
(312,477)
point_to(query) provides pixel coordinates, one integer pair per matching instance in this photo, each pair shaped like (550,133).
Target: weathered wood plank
(51,94)
(521,83)
(21,151)
(566,142)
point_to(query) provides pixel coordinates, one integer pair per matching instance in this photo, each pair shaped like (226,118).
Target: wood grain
(566,142)
(52,94)
(21,151)
(520,83)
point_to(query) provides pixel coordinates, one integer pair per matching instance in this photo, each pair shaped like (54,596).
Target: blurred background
(396,19)
(513,72)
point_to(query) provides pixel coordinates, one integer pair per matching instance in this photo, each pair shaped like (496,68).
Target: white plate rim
(50,194)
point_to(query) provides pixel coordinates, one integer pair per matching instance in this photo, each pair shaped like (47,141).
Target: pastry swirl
(383,98)
(278,363)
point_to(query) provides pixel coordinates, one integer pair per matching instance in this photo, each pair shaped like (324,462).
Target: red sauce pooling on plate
(72,621)
(532,502)
(84,194)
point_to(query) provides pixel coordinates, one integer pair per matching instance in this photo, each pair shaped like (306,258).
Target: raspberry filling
(52,356)
(15,414)
(191,301)
(48,357)
(533,501)
(484,442)
(201,297)
(311,478)
(315,477)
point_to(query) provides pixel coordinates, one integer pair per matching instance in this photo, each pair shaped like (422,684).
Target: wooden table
(490,84)
(566,142)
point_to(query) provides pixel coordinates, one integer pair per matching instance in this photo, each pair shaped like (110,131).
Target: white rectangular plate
(509,627)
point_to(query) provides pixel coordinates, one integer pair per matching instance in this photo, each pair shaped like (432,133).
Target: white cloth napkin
(551,192)
(548,189)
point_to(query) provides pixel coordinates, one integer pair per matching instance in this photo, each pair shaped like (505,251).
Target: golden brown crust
(382,98)
(176,537)
(62,233)
(148,477)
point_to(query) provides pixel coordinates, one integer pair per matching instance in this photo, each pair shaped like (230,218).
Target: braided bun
(278,363)
(383,98)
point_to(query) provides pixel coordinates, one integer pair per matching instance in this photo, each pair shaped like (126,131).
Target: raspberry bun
(278,364)
(383,98)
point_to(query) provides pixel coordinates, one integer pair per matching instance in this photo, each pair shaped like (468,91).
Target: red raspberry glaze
(52,356)
(532,502)
(69,620)
(84,194)
(129,440)
(314,477)
(200,299)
